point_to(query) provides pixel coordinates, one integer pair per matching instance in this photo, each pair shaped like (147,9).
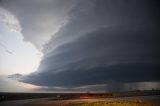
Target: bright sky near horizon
(17,56)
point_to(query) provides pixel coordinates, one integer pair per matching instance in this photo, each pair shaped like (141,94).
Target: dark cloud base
(99,75)
(117,54)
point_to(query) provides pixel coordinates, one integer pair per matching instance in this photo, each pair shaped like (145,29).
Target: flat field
(120,101)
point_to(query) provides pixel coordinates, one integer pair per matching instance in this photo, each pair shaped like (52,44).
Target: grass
(113,103)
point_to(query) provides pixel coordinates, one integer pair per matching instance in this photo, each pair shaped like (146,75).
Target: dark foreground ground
(134,98)
(120,101)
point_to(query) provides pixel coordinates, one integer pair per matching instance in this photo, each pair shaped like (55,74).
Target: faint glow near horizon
(29,87)
(16,55)
(9,85)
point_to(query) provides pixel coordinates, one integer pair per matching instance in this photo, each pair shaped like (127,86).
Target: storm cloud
(38,19)
(102,41)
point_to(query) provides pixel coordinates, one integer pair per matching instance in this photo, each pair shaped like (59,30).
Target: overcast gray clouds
(96,41)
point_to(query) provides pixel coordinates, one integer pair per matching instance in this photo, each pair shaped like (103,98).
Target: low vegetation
(113,103)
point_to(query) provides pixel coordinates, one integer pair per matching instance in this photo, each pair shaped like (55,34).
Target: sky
(79,46)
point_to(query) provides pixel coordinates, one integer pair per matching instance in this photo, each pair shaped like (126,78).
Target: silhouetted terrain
(63,96)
